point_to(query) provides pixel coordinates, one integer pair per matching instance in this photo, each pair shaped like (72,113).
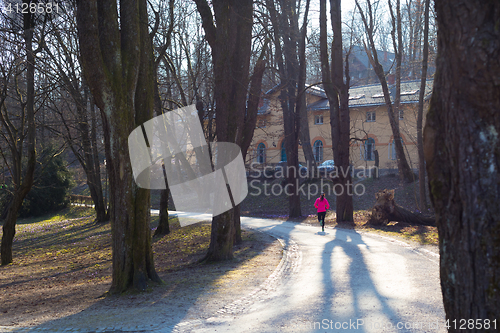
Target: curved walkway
(333,281)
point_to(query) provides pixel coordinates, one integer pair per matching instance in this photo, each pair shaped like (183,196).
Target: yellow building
(370,128)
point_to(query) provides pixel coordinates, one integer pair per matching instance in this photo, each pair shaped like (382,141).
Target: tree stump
(386,210)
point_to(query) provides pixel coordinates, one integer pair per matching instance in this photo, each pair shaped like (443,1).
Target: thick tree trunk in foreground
(118,67)
(462,152)
(230,39)
(385,210)
(222,238)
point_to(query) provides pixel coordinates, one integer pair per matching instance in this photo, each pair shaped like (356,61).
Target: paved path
(341,281)
(333,281)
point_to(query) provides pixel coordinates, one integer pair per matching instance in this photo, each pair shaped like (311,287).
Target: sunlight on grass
(72,212)
(421,234)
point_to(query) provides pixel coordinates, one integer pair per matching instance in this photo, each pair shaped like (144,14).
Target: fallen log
(385,210)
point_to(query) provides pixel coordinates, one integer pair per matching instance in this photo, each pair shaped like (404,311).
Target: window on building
(261,153)
(283,151)
(369,147)
(318,151)
(370,116)
(318,119)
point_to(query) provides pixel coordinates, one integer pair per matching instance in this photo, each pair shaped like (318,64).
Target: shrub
(53,182)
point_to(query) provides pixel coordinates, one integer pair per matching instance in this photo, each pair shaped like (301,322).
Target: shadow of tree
(359,285)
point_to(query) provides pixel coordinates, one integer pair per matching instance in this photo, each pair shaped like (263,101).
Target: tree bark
(102,214)
(118,66)
(462,152)
(221,240)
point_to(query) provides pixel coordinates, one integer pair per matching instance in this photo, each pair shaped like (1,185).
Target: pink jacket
(321,206)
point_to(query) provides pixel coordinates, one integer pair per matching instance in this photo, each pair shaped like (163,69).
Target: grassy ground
(62,265)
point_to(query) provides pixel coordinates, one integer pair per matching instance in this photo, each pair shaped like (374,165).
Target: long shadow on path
(355,301)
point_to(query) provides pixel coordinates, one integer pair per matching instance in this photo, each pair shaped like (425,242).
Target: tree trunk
(230,41)
(222,239)
(89,159)
(304,135)
(287,36)
(462,152)
(163,224)
(100,205)
(420,114)
(237,225)
(9,226)
(120,76)
(250,122)
(338,96)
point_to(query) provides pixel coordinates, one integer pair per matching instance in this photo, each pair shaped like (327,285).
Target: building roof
(385,58)
(372,95)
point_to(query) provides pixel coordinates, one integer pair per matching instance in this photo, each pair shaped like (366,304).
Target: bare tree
(420,115)
(462,151)
(336,84)
(369,24)
(21,137)
(163,224)
(228,30)
(84,144)
(289,46)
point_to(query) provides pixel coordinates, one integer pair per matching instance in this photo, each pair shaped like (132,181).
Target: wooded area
(81,76)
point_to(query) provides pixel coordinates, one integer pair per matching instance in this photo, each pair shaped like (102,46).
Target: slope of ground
(62,266)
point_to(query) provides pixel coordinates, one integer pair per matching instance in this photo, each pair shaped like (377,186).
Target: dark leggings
(321,216)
